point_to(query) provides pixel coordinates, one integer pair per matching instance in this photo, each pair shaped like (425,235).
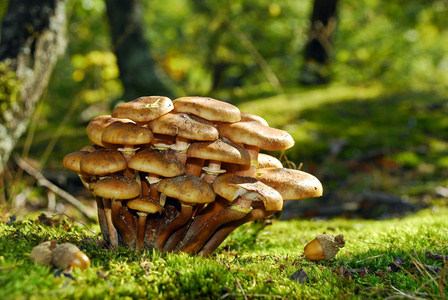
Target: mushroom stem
(122,228)
(212,171)
(249,170)
(181,147)
(102,219)
(257,213)
(141,229)
(113,236)
(213,216)
(194,166)
(169,226)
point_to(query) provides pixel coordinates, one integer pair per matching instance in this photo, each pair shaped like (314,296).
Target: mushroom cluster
(181,175)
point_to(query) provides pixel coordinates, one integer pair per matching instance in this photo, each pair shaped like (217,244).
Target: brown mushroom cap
(143,109)
(221,150)
(256,134)
(72,161)
(268,161)
(127,134)
(97,126)
(103,162)
(291,184)
(184,126)
(248,117)
(207,108)
(231,186)
(157,162)
(117,188)
(144,205)
(187,189)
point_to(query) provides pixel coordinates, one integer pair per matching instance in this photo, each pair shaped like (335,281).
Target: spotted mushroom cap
(256,134)
(159,162)
(126,134)
(143,109)
(231,186)
(268,161)
(184,125)
(187,189)
(117,188)
(221,149)
(72,161)
(207,108)
(97,126)
(291,184)
(103,162)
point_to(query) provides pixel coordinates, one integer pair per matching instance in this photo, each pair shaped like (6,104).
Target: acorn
(67,255)
(42,253)
(324,246)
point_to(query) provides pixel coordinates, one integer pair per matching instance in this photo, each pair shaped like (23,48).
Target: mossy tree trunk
(138,71)
(32,36)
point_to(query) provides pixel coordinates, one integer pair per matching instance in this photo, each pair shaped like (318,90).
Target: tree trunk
(32,37)
(138,71)
(320,43)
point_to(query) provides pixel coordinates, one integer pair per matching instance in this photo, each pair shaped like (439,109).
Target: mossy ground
(252,263)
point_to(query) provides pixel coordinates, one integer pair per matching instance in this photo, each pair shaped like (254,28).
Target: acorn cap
(324,246)
(207,108)
(222,150)
(231,186)
(68,255)
(103,162)
(143,109)
(256,134)
(187,189)
(42,253)
(185,126)
(117,188)
(157,162)
(126,134)
(291,184)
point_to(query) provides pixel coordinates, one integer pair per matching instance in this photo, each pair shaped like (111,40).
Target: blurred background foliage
(387,56)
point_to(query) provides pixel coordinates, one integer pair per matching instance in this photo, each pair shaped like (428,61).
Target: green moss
(260,267)
(9,89)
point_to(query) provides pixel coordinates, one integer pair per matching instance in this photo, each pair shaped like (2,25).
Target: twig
(436,256)
(241,288)
(369,258)
(42,181)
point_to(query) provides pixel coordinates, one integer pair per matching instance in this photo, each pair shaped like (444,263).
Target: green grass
(248,264)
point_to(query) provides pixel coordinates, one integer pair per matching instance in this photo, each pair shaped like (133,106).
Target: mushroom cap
(207,108)
(117,188)
(97,126)
(143,109)
(185,126)
(159,162)
(291,184)
(72,161)
(248,117)
(268,161)
(221,149)
(145,205)
(256,134)
(127,134)
(103,162)
(231,186)
(187,188)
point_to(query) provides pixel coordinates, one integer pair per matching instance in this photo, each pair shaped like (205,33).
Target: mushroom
(248,117)
(143,109)
(96,127)
(184,128)
(143,206)
(189,190)
(291,184)
(268,161)
(115,189)
(67,255)
(255,136)
(236,196)
(216,152)
(72,161)
(207,108)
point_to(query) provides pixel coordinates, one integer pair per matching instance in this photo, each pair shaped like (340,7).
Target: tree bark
(32,36)
(320,42)
(138,71)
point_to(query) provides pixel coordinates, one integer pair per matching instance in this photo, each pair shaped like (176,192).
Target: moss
(9,90)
